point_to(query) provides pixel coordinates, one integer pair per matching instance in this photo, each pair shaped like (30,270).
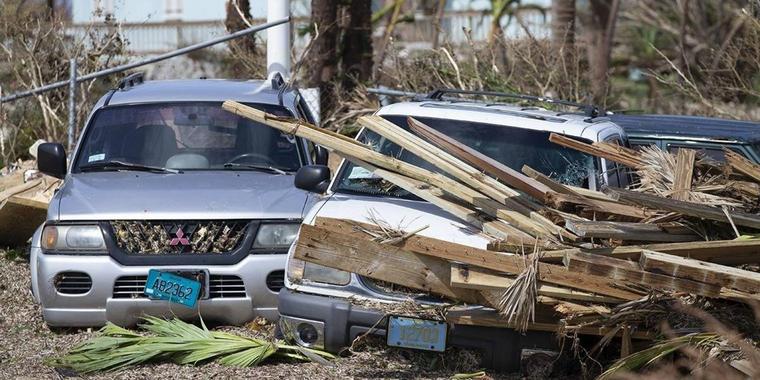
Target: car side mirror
(313,178)
(321,155)
(51,159)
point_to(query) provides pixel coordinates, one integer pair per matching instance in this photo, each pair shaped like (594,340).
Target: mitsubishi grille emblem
(180,239)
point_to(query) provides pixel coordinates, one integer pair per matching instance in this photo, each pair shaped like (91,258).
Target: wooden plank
(742,165)
(18,189)
(19,218)
(358,152)
(566,202)
(548,182)
(702,271)
(614,153)
(379,261)
(726,252)
(685,208)
(341,144)
(472,277)
(510,264)
(684,173)
(489,318)
(480,161)
(465,173)
(470,216)
(627,231)
(629,273)
(561,192)
(442,160)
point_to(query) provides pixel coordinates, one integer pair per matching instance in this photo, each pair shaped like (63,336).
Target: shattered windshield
(513,147)
(185,136)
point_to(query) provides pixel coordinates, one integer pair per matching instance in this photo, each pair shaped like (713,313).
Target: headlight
(87,238)
(276,235)
(319,273)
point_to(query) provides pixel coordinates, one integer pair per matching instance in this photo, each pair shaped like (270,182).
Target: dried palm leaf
(518,303)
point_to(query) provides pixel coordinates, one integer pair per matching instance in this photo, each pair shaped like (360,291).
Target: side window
(710,151)
(617,175)
(637,144)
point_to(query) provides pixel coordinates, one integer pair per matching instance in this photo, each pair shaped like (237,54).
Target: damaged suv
(164,179)
(328,308)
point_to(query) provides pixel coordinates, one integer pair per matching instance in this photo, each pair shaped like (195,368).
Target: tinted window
(186,136)
(712,152)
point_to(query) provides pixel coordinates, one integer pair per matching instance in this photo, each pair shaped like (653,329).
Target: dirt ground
(26,342)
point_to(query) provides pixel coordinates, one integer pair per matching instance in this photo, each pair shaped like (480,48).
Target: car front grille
(130,287)
(178,237)
(226,286)
(72,283)
(220,286)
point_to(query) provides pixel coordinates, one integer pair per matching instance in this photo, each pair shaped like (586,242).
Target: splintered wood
(598,251)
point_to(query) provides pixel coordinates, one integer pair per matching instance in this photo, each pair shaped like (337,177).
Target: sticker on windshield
(96,157)
(358,172)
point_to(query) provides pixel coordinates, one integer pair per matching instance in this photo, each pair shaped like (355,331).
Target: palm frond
(173,340)
(658,351)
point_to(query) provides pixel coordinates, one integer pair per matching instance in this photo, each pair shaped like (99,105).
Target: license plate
(167,286)
(420,334)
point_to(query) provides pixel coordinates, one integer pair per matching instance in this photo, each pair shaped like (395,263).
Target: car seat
(150,145)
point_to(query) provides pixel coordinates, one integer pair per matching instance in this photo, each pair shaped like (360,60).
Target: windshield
(186,136)
(513,147)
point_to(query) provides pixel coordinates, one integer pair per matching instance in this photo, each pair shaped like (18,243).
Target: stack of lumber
(597,256)
(23,205)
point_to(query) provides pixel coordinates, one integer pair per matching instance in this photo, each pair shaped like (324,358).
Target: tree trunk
(323,60)
(437,23)
(356,57)
(243,48)
(601,30)
(563,23)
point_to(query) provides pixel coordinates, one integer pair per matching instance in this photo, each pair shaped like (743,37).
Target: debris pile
(562,258)
(24,197)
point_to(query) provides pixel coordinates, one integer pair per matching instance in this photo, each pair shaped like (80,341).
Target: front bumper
(99,305)
(339,323)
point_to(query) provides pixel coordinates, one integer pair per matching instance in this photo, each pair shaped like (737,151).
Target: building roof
(689,127)
(200,90)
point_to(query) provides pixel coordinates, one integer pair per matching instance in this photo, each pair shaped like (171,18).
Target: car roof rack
(589,110)
(131,80)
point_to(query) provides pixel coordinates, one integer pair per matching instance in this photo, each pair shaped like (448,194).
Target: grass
(115,348)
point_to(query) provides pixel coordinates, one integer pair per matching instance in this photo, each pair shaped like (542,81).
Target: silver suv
(163,178)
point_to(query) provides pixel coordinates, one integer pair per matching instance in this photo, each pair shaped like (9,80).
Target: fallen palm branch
(518,303)
(659,351)
(173,340)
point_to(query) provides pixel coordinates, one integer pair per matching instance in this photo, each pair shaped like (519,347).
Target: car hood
(188,195)
(408,215)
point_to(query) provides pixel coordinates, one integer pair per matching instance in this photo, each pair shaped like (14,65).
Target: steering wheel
(262,158)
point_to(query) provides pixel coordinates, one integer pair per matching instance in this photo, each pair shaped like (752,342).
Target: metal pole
(148,61)
(278,39)
(72,101)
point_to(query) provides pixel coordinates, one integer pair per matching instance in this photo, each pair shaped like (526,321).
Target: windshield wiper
(256,167)
(121,165)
